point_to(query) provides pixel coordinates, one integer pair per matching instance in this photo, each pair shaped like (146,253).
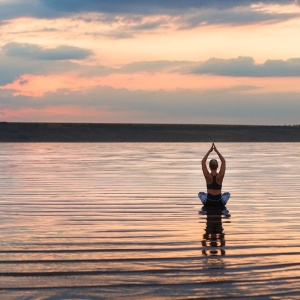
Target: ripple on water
(83,220)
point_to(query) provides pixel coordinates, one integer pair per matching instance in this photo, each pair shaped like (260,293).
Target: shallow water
(115,221)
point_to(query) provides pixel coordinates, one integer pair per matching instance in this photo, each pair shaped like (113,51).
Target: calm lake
(120,221)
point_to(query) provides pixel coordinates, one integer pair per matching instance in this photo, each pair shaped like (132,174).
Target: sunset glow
(129,57)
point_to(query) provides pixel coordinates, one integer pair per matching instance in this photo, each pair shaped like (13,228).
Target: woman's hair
(213,164)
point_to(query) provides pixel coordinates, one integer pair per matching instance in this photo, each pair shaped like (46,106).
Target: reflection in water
(214,238)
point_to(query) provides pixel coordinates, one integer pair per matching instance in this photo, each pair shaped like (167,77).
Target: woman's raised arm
(223,162)
(204,159)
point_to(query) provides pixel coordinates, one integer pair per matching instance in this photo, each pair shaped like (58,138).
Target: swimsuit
(214,185)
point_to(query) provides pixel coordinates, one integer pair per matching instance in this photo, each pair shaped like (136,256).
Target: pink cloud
(38,85)
(63,114)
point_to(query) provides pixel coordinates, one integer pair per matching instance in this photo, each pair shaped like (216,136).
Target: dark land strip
(106,132)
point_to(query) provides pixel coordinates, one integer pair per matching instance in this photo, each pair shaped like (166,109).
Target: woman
(214,180)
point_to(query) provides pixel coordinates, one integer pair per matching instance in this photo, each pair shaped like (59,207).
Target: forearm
(220,156)
(203,164)
(204,159)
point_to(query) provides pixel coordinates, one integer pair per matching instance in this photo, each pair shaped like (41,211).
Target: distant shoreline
(121,132)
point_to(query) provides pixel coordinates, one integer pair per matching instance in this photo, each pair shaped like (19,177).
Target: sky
(137,61)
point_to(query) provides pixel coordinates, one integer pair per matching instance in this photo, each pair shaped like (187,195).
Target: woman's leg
(203,197)
(225,197)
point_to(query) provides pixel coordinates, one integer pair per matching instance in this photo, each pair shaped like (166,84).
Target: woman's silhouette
(214,179)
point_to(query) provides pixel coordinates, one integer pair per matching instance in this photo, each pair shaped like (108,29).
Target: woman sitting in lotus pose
(214,180)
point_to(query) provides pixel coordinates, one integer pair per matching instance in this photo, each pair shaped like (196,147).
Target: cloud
(235,67)
(19,59)
(246,67)
(189,13)
(149,7)
(175,106)
(154,66)
(32,51)
(11,9)
(15,67)
(239,16)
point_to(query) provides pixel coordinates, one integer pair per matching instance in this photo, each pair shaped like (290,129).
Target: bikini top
(214,185)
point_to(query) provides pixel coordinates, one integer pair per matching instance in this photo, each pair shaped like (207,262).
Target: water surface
(121,220)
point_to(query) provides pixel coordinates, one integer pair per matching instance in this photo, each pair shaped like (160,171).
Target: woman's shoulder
(220,176)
